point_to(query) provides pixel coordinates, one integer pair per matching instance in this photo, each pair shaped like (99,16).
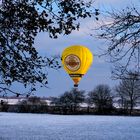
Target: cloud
(109,5)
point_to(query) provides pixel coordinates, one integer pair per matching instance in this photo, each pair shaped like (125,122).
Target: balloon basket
(76,85)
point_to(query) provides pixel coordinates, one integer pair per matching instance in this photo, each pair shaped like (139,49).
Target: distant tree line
(102,100)
(30,105)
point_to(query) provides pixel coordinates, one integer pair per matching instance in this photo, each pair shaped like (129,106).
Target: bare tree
(123,36)
(102,98)
(128,91)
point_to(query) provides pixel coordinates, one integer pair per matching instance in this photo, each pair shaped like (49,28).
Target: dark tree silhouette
(32,104)
(102,98)
(70,100)
(128,91)
(20,21)
(123,36)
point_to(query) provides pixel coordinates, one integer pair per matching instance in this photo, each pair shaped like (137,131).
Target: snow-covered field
(15,126)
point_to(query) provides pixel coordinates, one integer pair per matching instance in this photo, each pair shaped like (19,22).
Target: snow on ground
(11,101)
(14,101)
(15,126)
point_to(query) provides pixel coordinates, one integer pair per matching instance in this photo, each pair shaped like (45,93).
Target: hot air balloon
(76,61)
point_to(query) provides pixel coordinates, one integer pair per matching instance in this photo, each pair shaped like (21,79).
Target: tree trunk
(131,106)
(88,109)
(131,109)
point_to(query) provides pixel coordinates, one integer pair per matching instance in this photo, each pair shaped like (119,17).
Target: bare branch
(123,37)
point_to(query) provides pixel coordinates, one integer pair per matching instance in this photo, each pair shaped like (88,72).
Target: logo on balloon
(72,62)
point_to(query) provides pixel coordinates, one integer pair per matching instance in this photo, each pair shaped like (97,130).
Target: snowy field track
(15,126)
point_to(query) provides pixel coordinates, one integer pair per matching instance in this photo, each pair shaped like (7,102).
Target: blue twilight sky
(100,71)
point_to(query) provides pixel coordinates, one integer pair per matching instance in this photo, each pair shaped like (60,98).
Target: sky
(99,72)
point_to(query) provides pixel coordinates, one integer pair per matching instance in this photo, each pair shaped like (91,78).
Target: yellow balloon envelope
(76,61)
